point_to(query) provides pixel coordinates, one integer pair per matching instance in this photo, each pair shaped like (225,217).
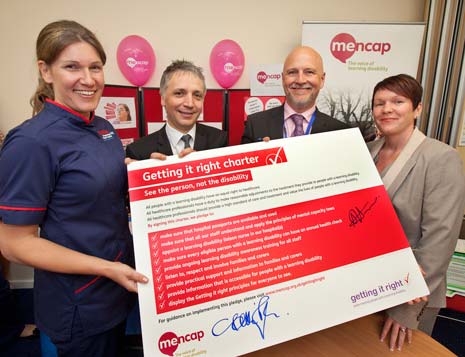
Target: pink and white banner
(356,56)
(252,245)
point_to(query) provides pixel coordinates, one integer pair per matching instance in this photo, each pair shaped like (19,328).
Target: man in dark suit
(303,76)
(182,90)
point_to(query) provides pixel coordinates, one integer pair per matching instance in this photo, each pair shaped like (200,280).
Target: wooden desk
(352,339)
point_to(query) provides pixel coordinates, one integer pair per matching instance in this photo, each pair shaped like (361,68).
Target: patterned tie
(186,138)
(299,124)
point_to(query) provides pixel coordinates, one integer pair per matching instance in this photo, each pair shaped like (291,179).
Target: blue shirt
(66,174)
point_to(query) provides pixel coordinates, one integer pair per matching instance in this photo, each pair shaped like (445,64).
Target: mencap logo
(169,341)
(344,45)
(131,62)
(229,67)
(262,76)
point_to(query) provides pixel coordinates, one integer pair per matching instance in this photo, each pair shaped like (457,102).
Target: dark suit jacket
(206,137)
(270,123)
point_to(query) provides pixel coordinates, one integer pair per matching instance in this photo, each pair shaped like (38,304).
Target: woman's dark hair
(126,108)
(402,84)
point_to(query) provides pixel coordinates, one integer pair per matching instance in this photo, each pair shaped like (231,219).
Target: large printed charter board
(252,245)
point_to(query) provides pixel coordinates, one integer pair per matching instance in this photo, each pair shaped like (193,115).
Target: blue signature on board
(256,318)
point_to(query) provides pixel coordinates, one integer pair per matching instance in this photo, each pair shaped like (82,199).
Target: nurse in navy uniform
(63,171)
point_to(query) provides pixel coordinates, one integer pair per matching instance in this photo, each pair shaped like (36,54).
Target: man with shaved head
(303,76)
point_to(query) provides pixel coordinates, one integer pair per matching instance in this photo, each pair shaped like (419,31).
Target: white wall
(265,29)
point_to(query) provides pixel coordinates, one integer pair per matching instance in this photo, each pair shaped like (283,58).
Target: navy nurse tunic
(66,173)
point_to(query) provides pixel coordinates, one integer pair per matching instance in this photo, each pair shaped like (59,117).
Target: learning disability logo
(344,45)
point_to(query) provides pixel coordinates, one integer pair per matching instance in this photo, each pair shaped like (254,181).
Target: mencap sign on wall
(343,46)
(266,80)
(356,56)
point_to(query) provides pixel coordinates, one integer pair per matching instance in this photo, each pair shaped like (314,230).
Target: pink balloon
(227,63)
(136,59)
